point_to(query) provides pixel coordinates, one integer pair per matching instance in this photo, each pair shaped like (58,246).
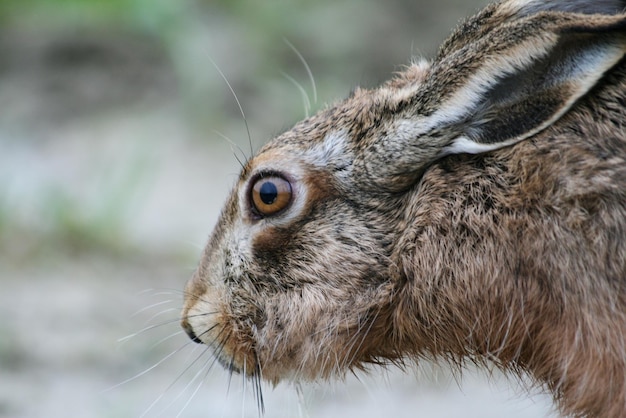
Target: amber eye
(270,195)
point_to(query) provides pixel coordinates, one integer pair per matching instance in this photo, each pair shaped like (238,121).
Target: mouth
(235,356)
(237,362)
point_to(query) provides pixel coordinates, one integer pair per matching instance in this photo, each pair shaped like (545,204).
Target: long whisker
(232,144)
(230,374)
(243,400)
(208,369)
(259,390)
(148,328)
(184,293)
(305,97)
(172,384)
(306,67)
(170,321)
(157,364)
(215,338)
(356,349)
(144,291)
(193,395)
(243,115)
(167,292)
(154,305)
(206,348)
(163,312)
(301,401)
(162,340)
(204,368)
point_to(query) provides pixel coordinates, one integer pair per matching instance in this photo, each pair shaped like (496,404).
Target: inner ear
(522,103)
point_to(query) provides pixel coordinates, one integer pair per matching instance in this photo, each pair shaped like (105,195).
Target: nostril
(192,335)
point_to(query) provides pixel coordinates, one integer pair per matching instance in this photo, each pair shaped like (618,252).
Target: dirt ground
(110,183)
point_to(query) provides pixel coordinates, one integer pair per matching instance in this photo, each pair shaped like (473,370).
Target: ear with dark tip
(605,7)
(530,87)
(517,80)
(498,13)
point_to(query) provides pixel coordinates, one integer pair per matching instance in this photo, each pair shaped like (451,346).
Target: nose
(192,335)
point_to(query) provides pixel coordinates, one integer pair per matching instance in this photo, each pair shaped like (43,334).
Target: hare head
(473,207)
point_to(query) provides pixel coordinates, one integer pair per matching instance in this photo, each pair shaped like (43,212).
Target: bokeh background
(114,163)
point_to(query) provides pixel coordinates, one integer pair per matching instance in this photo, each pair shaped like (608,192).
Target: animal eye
(270,195)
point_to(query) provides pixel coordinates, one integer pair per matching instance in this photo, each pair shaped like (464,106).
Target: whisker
(172,385)
(301,400)
(195,392)
(163,312)
(198,315)
(305,97)
(258,389)
(148,328)
(211,328)
(230,374)
(168,322)
(206,370)
(260,403)
(197,346)
(157,364)
(364,336)
(144,291)
(306,67)
(206,348)
(243,396)
(154,305)
(184,293)
(167,292)
(162,340)
(232,144)
(243,115)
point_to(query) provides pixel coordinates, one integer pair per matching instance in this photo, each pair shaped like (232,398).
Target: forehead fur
(351,119)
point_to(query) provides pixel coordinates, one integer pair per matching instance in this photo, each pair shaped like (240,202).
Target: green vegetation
(70,222)
(154,15)
(96,63)
(66,216)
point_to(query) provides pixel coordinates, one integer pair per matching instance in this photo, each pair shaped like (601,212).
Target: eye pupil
(268,193)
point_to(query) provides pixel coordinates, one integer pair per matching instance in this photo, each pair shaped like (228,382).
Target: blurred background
(114,163)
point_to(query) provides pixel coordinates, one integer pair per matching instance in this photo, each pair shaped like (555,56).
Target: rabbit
(471,209)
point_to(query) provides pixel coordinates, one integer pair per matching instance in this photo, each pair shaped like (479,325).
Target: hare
(473,208)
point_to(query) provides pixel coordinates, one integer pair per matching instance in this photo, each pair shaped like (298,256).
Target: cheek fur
(269,244)
(312,333)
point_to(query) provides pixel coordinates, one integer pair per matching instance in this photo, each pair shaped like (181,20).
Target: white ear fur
(498,86)
(516,103)
(463,145)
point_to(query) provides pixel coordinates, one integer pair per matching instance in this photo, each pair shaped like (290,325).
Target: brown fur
(393,249)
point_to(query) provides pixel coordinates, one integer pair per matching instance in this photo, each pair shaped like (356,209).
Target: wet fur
(516,257)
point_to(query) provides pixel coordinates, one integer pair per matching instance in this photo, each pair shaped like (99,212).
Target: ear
(496,14)
(516,80)
(527,84)
(605,7)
